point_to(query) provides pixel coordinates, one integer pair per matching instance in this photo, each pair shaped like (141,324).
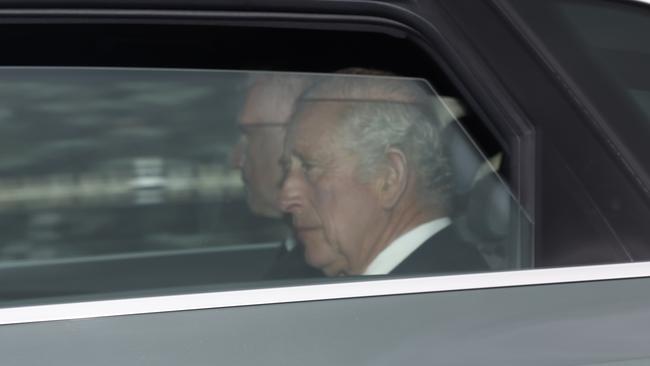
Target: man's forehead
(316,116)
(314,127)
(262,106)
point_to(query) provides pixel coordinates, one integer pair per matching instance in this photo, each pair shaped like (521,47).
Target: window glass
(128,180)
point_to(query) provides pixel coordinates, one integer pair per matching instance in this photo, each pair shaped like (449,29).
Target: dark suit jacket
(444,252)
(290,264)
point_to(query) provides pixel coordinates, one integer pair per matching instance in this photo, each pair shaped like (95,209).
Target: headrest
(489,209)
(483,207)
(464,158)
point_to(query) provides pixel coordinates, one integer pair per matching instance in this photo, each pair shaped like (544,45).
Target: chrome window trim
(350,290)
(139,255)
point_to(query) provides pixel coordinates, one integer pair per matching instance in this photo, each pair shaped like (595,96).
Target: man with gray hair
(268,104)
(364,167)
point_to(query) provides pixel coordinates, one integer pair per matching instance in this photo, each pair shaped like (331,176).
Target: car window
(117,181)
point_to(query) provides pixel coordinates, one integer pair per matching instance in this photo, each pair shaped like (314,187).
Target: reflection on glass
(233,176)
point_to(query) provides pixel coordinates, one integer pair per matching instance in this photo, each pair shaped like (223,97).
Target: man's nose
(291,191)
(237,155)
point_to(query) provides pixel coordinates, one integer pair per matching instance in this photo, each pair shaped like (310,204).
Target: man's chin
(310,236)
(324,262)
(314,259)
(318,252)
(334,271)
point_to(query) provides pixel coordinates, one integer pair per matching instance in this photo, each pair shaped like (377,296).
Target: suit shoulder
(444,252)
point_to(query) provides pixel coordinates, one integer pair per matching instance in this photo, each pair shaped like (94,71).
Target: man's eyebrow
(261,124)
(285,158)
(246,128)
(296,154)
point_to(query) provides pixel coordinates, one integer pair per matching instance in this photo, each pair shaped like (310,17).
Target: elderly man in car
(365,168)
(268,104)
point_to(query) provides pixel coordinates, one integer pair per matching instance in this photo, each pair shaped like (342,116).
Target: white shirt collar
(403,246)
(289,243)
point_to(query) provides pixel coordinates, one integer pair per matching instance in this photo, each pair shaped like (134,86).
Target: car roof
(153,4)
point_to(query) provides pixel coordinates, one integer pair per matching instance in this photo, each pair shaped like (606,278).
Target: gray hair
(383,113)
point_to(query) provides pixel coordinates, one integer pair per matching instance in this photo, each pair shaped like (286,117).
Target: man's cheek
(333,219)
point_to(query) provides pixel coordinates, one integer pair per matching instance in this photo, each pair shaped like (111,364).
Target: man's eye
(307,167)
(284,163)
(285,166)
(311,171)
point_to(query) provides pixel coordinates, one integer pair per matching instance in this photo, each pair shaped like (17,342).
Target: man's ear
(393,181)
